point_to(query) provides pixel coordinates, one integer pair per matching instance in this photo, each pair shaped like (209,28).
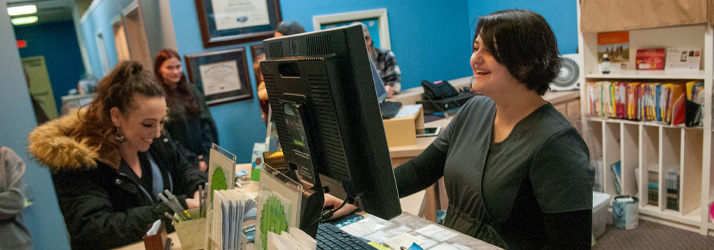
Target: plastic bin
(600,215)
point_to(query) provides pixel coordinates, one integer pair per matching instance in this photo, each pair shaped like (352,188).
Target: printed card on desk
(683,59)
(221,169)
(402,240)
(279,200)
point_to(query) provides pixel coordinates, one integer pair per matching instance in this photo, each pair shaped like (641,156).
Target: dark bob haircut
(524,43)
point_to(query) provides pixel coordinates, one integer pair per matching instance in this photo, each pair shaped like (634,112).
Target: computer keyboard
(331,237)
(389,109)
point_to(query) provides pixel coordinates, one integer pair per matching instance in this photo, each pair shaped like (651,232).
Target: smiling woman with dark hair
(517,174)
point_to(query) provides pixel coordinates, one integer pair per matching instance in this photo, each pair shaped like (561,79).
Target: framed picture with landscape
(222,76)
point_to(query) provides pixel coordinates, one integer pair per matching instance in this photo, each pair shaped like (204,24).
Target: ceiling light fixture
(24,20)
(22,10)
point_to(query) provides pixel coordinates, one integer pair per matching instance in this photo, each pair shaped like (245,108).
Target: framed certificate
(222,76)
(225,22)
(376,21)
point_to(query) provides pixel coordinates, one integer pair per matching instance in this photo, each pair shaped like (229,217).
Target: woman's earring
(119,136)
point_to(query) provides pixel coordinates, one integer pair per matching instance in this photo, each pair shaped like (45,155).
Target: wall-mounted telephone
(438,90)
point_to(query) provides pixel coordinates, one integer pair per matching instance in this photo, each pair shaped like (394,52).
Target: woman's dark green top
(532,190)
(195,133)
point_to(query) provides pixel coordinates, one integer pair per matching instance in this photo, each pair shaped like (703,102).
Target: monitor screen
(378,83)
(322,93)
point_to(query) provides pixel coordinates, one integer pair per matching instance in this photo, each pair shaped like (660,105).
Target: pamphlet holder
(156,241)
(192,232)
(402,131)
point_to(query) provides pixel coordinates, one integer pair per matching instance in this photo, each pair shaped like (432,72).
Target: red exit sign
(21,44)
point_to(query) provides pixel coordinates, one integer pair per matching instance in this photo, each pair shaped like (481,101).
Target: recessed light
(22,10)
(24,20)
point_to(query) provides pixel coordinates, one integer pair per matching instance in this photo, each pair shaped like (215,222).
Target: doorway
(130,36)
(50,54)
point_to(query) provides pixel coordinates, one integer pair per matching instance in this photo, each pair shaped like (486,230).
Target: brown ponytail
(116,89)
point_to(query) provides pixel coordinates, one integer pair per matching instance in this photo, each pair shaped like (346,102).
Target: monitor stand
(313,200)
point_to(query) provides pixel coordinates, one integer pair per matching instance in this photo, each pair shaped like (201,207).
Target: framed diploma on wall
(225,22)
(222,76)
(376,21)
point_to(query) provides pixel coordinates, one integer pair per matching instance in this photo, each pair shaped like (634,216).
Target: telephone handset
(438,90)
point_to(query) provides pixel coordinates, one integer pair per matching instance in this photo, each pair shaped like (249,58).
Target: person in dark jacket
(189,122)
(109,161)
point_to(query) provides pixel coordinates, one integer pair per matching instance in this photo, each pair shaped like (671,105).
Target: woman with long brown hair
(189,121)
(109,160)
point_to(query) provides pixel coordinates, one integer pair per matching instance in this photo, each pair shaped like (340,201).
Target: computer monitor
(378,83)
(322,94)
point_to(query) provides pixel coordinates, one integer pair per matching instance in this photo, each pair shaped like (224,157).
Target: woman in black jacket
(109,161)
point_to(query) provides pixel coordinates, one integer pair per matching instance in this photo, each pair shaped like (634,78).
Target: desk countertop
(405,219)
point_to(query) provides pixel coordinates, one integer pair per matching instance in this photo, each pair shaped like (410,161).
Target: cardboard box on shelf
(402,129)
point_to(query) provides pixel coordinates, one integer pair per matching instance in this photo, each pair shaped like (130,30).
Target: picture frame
(256,50)
(222,76)
(376,21)
(250,22)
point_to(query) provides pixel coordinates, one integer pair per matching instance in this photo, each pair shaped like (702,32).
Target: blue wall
(100,20)
(560,14)
(57,42)
(43,217)
(414,39)
(432,41)
(430,38)
(427,47)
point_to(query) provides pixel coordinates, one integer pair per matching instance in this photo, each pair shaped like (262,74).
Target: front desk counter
(567,102)
(405,219)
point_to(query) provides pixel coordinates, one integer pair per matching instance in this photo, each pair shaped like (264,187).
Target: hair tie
(136,69)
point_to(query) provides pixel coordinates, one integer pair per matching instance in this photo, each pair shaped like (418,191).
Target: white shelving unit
(641,146)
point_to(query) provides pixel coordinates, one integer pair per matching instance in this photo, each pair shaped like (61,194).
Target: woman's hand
(390,91)
(332,201)
(193,202)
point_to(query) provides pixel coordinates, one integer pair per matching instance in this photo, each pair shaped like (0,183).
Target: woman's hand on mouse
(336,202)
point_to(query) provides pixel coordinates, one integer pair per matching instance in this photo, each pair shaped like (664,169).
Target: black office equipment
(387,108)
(322,96)
(438,90)
(331,237)
(440,96)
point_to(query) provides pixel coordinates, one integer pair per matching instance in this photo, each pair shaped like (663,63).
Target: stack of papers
(230,209)
(384,232)
(295,239)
